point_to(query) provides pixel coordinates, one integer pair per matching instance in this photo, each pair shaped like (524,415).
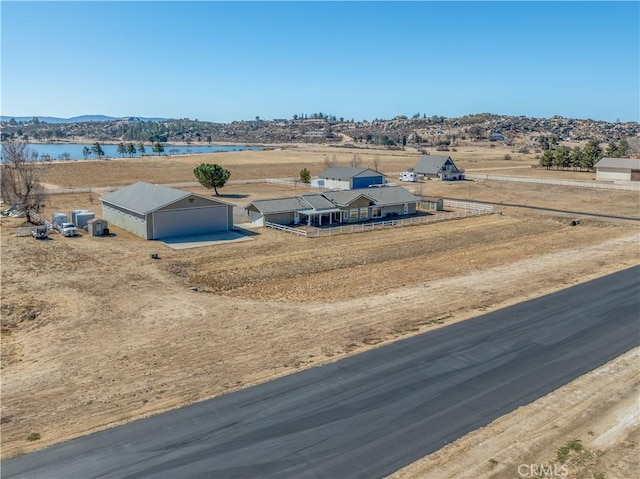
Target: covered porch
(314,217)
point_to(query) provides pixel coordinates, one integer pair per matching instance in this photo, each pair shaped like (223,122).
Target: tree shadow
(230,195)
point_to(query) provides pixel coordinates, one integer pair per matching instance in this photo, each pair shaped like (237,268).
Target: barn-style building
(157,212)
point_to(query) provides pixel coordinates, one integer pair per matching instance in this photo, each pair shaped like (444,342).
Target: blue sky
(225,61)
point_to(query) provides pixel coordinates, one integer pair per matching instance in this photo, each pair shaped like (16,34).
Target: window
(364,212)
(376,212)
(353,214)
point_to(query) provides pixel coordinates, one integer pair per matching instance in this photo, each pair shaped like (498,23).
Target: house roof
(621,163)
(317,201)
(431,164)
(391,195)
(144,198)
(326,202)
(345,173)
(386,195)
(279,205)
(346,197)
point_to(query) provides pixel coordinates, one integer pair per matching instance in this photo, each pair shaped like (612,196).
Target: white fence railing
(416,220)
(580,184)
(288,229)
(285,182)
(467,205)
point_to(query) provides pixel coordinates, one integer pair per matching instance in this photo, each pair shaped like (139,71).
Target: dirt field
(274,163)
(96,333)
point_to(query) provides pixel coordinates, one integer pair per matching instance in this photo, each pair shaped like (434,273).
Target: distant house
(329,207)
(348,178)
(441,167)
(618,169)
(157,212)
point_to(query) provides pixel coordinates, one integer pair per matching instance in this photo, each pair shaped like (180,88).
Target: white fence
(287,229)
(67,191)
(468,206)
(580,184)
(417,220)
(286,182)
(378,225)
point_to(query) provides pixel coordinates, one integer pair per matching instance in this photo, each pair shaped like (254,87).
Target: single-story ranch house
(618,169)
(348,178)
(157,212)
(342,206)
(441,167)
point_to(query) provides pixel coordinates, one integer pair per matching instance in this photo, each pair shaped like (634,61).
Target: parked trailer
(410,176)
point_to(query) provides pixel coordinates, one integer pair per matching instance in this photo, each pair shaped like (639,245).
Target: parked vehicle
(40,232)
(409,176)
(68,229)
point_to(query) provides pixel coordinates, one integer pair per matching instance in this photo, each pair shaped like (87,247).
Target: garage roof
(621,163)
(345,173)
(144,198)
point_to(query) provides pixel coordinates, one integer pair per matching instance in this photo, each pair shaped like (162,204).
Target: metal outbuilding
(348,178)
(618,169)
(157,212)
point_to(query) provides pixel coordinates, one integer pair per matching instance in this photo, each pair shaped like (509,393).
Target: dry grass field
(96,333)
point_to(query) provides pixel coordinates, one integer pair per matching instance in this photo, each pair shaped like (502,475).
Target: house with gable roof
(334,207)
(440,167)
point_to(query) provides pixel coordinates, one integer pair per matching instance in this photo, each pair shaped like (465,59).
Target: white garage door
(189,221)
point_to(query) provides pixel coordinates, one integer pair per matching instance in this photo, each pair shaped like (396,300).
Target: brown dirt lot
(96,333)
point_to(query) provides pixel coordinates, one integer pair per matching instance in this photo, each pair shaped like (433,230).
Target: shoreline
(148,143)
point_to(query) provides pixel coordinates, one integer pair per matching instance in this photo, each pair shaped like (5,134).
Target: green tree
(591,154)
(305,176)
(211,176)
(158,148)
(546,160)
(131,149)
(122,149)
(612,150)
(575,159)
(561,157)
(141,149)
(624,148)
(97,149)
(86,151)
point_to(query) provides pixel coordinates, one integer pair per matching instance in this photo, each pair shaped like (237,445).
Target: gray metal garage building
(157,212)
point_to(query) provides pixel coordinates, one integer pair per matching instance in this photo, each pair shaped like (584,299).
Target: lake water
(58,151)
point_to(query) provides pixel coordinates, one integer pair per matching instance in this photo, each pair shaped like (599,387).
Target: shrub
(34,436)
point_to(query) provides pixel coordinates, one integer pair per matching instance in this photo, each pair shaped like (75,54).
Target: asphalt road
(373,413)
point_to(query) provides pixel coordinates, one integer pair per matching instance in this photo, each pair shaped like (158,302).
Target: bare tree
(20,185)
(329,163)
(356,160)
(376,162)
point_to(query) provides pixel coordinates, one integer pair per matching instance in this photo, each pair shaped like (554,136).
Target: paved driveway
(197,241)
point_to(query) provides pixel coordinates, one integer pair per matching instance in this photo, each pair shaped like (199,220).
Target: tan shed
(97,227)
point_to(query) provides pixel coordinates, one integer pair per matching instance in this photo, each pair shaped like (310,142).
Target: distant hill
(77,119)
